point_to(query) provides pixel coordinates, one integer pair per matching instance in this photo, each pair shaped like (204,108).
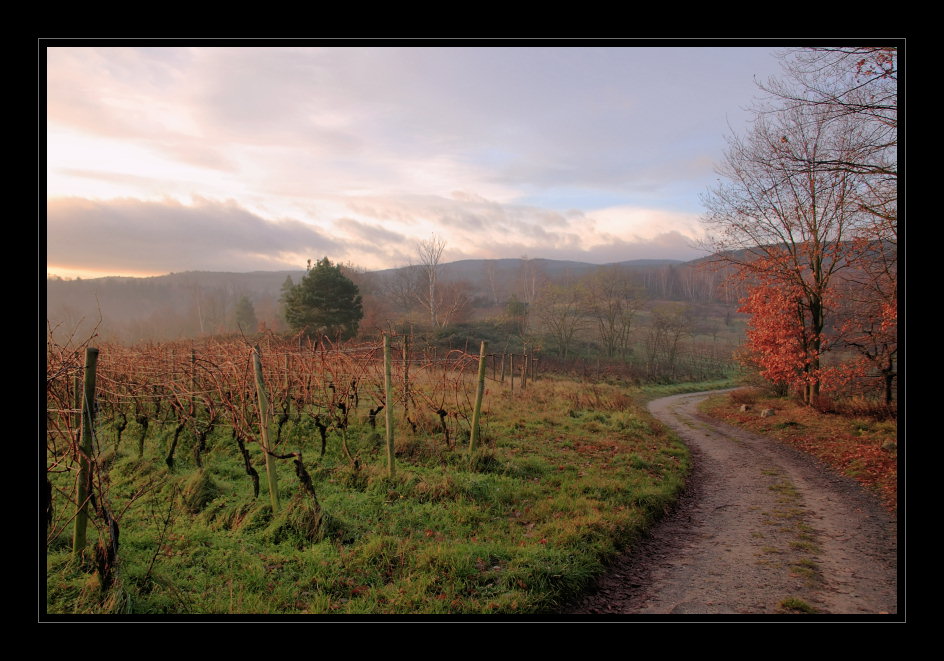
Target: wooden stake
(388,404)
(479,394)
(85,452)
(406,377)
(524,369)
(77,405)
(288,389)
(271,475)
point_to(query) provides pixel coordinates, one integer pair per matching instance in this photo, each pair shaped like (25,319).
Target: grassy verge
(569,474)
(650,392)
(859,447)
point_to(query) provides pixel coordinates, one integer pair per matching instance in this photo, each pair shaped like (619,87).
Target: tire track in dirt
(759,523)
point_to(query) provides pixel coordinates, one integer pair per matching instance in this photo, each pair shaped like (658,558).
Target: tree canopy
(324,303)
(808,209)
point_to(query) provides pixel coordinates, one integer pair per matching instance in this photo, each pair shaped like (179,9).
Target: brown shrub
(825,404)
(865,407)
(743,396)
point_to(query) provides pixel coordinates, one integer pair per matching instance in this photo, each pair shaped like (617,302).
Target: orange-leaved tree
(808,200)
(782,342)
(775,334)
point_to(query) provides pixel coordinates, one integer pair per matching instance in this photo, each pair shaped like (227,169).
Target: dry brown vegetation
(861,447)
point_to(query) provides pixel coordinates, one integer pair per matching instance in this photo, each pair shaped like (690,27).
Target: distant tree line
(570,312)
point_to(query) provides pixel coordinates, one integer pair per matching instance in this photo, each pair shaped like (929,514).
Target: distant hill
(476,271)
(195,303)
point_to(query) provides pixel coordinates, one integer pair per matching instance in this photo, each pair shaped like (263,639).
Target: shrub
(744,396)
(825,404)
(865,407)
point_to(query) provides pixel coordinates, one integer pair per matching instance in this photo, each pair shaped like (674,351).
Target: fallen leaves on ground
(855,447)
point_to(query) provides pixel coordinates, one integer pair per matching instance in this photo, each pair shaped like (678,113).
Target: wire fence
(200,387)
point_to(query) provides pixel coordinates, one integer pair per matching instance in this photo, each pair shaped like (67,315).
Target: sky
(258,158)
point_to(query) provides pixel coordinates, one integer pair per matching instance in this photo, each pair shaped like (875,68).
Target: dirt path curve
(759,523)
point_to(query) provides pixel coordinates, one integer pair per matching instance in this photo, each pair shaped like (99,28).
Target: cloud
(460,211)
(133,235)
(474,226)
(574,153)
(197,153)
(374,234)
(417,120)
(114,177)
(666,245)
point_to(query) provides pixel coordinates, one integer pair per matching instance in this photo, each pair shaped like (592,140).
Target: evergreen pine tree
(325,302)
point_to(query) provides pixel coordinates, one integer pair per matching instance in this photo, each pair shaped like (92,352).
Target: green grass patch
(522,526)
(796,605)
(655,391)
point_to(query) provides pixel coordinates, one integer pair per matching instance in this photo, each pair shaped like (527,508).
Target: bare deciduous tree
(400,287)
(669,325)
(561,310)
(491,275)
(856,86)
(430,255)
(612,301)
(803,189)
(531,279)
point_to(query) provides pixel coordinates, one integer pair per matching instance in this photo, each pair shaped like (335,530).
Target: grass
(788,523)
(795,605)
(568,475)
(863,448)
(655,391)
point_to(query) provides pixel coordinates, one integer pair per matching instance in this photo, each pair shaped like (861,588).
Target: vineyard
(292,478)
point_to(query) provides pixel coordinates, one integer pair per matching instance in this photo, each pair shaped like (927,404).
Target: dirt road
(761,528)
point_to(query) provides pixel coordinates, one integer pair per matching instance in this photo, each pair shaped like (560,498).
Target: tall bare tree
(561,310)
(803,189)
(612,301)
(430,253)
(531,280)
(400,287)
(858,87)
(670,323)
(491,275)
(453,301)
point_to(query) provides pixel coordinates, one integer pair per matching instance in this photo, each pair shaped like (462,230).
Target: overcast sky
(239,159)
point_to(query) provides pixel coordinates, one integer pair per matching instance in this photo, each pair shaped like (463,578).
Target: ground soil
(761,529)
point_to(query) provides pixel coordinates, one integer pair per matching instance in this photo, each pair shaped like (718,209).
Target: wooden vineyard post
(193,379)
(511,371)
(288,384)
(502,370)
(77,405)
(85,452)
(388,404)
(406,377)
(524,369)
(479,394)
(264,430)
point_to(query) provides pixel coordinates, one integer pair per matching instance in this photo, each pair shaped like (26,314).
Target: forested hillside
(199,303)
